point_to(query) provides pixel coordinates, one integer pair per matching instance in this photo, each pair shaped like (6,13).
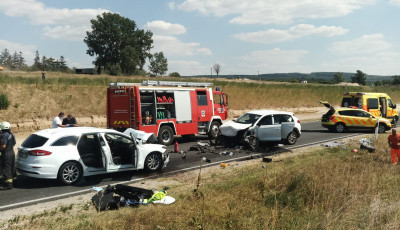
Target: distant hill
(314,76)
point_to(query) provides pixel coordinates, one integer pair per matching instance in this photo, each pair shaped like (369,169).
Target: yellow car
(340,119)
(1,68)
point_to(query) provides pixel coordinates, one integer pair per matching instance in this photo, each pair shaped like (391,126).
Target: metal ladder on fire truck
(176,83)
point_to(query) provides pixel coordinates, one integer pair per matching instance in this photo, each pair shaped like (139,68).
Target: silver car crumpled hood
(231,128)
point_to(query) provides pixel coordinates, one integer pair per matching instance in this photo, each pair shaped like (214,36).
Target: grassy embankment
(85,95)
(328,188)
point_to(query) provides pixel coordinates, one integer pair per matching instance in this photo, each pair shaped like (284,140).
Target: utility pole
(211,72)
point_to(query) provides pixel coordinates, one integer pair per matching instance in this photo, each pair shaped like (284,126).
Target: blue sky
(243,36)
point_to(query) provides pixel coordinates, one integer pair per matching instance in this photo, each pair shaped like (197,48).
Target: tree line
(119,48)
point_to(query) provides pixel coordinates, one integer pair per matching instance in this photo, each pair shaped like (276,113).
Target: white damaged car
(263,126)
(70,153)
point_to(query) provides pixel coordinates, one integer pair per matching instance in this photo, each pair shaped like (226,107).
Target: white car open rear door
(286,128)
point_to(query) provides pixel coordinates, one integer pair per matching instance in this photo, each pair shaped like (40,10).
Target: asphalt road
(30,190)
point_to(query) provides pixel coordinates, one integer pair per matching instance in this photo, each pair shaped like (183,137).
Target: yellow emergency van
(378,104)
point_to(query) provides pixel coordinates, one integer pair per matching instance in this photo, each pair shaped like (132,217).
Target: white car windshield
(248,118)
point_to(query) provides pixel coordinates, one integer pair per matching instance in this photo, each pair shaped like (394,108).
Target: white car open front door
(267,130)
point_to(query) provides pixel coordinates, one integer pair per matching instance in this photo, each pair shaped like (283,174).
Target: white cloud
(271,61)
(67,32)
(395,2)
(295,32)
(186,68)
(273,11)
(28,51)
(39,14)
(171,46)
(384,63)
(171,5)
(164,28)
(366,44)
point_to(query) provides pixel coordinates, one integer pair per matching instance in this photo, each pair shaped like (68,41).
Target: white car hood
(231,128)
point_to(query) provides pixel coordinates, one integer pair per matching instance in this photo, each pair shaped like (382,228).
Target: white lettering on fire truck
(203,113)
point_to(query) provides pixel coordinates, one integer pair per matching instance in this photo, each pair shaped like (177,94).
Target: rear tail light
(298,121)
(39,153)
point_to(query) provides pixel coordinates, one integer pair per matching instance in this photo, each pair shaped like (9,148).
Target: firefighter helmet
(5,125)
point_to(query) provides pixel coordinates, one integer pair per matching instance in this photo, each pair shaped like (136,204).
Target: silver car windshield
(248,118)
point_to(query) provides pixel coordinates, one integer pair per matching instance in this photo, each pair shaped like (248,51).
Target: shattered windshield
(248,118)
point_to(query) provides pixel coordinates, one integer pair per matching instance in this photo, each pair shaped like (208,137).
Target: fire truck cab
(166,108)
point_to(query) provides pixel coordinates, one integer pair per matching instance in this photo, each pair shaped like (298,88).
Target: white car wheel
(70,173)
(153,162)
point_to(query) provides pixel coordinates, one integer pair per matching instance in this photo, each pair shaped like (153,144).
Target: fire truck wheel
(340,127)
(165,135)
(214,130)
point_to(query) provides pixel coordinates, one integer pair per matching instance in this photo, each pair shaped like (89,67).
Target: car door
(366,119)
(266,130)
(123,153)
(287,124)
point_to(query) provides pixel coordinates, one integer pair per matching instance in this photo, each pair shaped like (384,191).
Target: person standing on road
(7,142)
(57,121)
(394,144)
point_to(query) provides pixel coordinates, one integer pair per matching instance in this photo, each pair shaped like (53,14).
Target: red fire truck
(166,108)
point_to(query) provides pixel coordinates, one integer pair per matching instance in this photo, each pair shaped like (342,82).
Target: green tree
(158,64)
(116,41)
(36,61)
(5,58)
(396,80)
(174,74)
(378,83)
(338,77)
(359,78)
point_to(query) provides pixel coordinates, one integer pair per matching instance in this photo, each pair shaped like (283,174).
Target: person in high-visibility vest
(394,144)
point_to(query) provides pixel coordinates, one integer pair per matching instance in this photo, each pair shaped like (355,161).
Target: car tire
(214,130)
(291,138)
(340,127)
(165,135)
(381,128)
(395,119)
(70,173)
(153,162)
(253,142)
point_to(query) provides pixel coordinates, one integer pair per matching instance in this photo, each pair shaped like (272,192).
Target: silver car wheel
(292,138)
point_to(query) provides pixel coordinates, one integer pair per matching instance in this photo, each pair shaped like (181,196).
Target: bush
(4,102)
(174,74)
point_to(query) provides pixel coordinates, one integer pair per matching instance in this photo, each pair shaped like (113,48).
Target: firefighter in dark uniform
(7,142)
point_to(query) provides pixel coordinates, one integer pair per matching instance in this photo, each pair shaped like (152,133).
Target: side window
(348,113)
(218,99)
(288,118)
(266,120)
(363,114)
(373,103)
(201,97)
(346,102)
(64,141)
(390,103)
